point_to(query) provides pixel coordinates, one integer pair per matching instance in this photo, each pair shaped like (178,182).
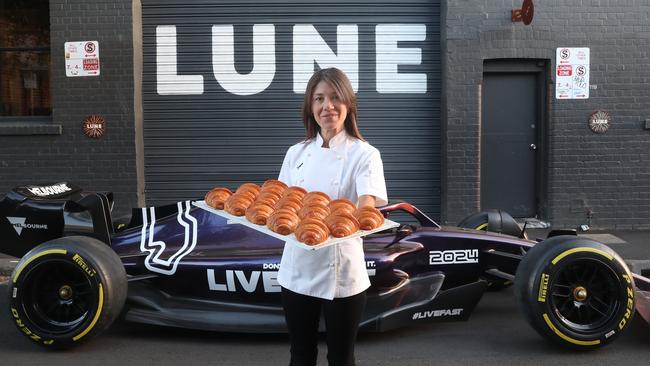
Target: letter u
(223,59)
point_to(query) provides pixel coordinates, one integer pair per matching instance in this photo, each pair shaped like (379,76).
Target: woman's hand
(367,200)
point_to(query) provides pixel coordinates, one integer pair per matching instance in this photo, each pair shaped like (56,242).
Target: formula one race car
(183,266)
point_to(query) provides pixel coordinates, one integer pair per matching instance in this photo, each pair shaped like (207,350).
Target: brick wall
(60,151)
(607,175)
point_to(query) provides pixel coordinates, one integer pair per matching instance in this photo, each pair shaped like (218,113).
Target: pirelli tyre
(575,291)
(67,290)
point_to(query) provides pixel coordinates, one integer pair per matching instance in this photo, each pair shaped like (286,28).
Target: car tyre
(66,291)
(576,292)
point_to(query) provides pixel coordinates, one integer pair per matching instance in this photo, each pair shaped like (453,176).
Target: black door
(509,141)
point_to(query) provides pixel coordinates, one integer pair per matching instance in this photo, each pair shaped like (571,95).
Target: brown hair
(341,84)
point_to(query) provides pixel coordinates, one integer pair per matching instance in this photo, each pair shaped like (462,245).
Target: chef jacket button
(308,154)
(339,157)
(335,183)
(331,264)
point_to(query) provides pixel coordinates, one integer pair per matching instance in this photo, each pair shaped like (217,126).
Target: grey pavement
(633,246)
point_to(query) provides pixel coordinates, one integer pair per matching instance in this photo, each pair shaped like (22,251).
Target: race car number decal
(459,256)
(156,248)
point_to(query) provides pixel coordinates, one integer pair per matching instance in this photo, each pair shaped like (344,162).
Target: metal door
(509,142)
(223,84)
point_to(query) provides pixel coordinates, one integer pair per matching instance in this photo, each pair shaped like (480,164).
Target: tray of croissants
(311,220)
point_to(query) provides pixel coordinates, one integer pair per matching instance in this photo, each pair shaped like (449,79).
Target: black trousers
(342,317)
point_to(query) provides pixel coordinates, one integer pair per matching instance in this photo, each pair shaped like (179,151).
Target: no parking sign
(572,73)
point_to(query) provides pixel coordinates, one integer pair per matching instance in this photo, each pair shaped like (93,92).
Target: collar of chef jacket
(336,143)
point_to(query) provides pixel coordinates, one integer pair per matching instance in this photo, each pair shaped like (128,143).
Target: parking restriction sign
(572,73)
(564,70)
(82,58)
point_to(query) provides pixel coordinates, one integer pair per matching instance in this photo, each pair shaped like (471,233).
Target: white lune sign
(309,48)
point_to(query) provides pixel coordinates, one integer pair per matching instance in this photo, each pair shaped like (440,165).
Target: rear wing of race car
(33,214)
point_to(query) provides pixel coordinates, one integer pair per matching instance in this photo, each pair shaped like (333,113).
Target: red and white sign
(572,73)
(91,64)
(564,70)
(82,58)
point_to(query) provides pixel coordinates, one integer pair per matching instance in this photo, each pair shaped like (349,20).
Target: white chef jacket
(348,169)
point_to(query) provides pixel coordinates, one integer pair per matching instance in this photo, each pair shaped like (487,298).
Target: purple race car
(180,265)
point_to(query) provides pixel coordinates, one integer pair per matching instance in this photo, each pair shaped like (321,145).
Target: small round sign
(599,121)
(94,126)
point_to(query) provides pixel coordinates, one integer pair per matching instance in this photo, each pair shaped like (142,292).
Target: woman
(335,159)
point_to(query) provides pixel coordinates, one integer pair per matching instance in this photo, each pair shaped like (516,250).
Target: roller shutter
(223,85)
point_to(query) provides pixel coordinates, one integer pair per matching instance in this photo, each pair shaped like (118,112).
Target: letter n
(310,48)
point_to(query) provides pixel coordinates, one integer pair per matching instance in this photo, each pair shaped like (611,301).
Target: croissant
(343,206)
(369,218)
(274,190)
(316,197)
(237,204)
(283,221)
(291,202)
(216,197)
(342,225)
(259,213)
(296,191)
(315,211)
(251,187)
(270,198)
(312,231)
(250,194)
(274,182)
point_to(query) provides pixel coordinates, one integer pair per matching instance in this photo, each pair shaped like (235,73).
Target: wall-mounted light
(525,14)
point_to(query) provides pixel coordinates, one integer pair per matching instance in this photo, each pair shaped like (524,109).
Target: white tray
(291,238)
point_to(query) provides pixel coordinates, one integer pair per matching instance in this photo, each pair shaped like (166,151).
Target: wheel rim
(585,295)
(58,296)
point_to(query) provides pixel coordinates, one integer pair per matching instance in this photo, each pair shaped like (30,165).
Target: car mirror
(402,232)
